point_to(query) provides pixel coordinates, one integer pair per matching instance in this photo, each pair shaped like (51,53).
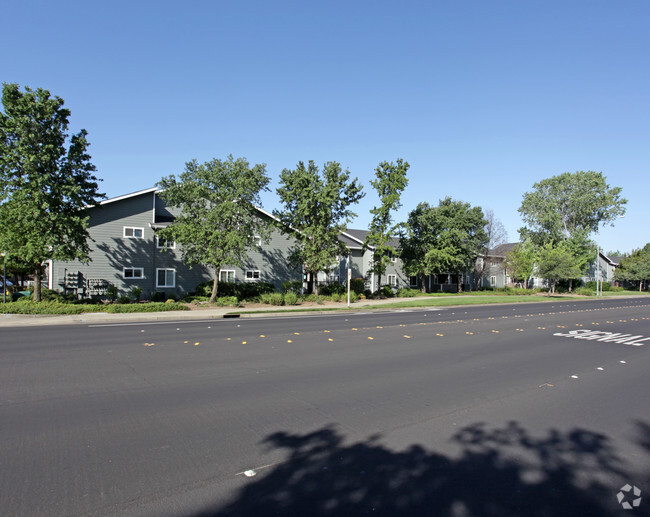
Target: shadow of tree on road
(498,472)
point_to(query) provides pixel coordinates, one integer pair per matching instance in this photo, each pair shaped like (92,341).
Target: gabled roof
(502,249)
(358,237)
(127,196)
(155,189)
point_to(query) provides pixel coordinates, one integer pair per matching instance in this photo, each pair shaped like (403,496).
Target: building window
(392,257)
(132,273)
(252,275)
(162,243)
(413,281)
(131,232)
(257,241)
(392,280)
(165,278)
(227,275)
(493,281)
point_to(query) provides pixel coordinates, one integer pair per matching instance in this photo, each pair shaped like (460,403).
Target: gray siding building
(126,252)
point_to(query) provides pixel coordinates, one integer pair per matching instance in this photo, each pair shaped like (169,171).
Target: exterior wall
(111,252)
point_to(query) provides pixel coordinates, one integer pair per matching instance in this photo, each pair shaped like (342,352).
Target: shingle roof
(502,249)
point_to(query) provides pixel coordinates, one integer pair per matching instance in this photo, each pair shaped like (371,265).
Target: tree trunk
(215,287)
(37,283)
(314,283)
(378,284)
(423,287)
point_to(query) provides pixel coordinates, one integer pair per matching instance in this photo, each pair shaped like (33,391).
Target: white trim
(234,274)
(252,277)
(169,247)
(165,269)
(125,196)
(134,228)
(141,269)
(389,282)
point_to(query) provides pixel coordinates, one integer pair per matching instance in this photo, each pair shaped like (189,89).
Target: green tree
(443,239)
(520,262)
(567,209)
(555,263)
(316,209)
(635,267)
(390,181)
(218,218)
(46,180)
(572,203)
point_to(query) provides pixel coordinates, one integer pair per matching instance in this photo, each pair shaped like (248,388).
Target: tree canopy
(520,262)
(567,205)
(635,268)
(46,180)
(443,239)
(390,181)
(218,217)
(555,263)
(316,209)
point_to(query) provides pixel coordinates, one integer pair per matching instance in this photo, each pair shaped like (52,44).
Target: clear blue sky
(482,98)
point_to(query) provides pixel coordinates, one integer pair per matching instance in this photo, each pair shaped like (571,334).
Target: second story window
(162,243)
(131,232)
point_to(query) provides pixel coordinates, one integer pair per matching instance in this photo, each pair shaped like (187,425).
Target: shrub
(336,297)
(294,286)
(224,301)
(124,299)
(290,298)
(112,293)
(387,291)
(585,291)
(407,292)
(157,296)
(276,298)
(136,292)
(330,289)
(357,285)
(146,307)
(354,297)
(604,286)
(242,290)
(30,307)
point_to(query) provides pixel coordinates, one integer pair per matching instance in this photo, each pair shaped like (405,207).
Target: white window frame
(133,230)
(493,281)
(227,272)
(133,269)
(165,269)
(257,241)
(394,282)
(171,245)
(252,277)
(392,257)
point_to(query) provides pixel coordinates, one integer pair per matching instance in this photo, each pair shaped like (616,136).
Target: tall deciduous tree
(567,209)
(496,235)
(561,206)
(443,239)
(218,217)
(390,181)
(46,180)
(318,207)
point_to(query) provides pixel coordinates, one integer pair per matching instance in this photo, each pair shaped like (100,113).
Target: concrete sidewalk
(92,318)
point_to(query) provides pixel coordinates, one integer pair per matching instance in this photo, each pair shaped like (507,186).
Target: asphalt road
(493,410)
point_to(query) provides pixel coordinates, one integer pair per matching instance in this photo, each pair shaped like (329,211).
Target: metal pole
(597,268)
(4,279)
